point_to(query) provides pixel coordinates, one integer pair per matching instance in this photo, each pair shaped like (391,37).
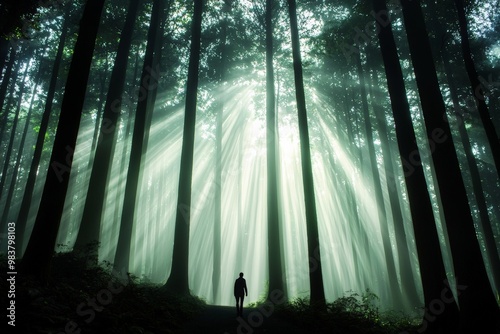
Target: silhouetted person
(240,290)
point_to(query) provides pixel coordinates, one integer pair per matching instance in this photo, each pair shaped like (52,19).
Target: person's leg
(237,307)
(241,305)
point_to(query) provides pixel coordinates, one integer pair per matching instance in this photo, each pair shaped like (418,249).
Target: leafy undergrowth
(83,297)
(351,314)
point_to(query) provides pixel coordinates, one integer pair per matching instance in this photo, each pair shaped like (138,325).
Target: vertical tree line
(433,188)
(178,281)
(40,248)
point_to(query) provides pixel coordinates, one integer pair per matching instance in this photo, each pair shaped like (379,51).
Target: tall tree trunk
(99,112)
(144,108)
(405,270)
(178,279)
(22,219)
(94,203)
(216,273)
(27,124)
(317,293)
(4,50)
(218,161)
(432,270)
(476,88)
(276,278)
(5,85)
(240,228)
(40,248)
(486,224)
(355,226)
(395,292)
(123,163)
(8,153)
(467,258)
(6,77)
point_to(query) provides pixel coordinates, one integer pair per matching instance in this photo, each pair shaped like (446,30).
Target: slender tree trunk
(123,163)
(405,270)
(94,203)
(355,225)
(432,270)
(218,205)
(476,88)
(15,121)
(4,86)
(100,107)
(6,79)
(144,107)
(379,198)
(315,272)
(395,292)
(40,248)
(486,226)
(240,227)
(218,162)
(4,50)
(22,219)
(27,124)
(276,278)
(178,280)
(467,258)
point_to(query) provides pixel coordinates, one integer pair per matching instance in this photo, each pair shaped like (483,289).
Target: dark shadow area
(83,297)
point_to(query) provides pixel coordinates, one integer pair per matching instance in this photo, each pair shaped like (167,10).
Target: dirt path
(223,320)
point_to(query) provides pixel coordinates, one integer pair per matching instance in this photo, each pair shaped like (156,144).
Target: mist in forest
(320,147)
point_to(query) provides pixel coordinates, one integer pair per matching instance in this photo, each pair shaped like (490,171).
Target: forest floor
(223,320)
(83,297)
(290,319)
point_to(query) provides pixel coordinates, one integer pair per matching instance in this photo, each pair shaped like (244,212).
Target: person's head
(241,274)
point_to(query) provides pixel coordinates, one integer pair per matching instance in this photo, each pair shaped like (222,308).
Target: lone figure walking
(240,290)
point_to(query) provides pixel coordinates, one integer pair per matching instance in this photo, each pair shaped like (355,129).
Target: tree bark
(432,270)
(178,281)
(276,278)
(20,150)
(94,203)
(405,270)
(396,297)
(5,85)
(317,293)
(8,153)
(467,258)
(4,50)
(144,107)
(476,88)
(218,161)
(22,219)
(486,224)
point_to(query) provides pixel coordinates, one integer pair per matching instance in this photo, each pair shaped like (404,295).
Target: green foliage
(357,306)
(122,304)
(262,298)
(352,313)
